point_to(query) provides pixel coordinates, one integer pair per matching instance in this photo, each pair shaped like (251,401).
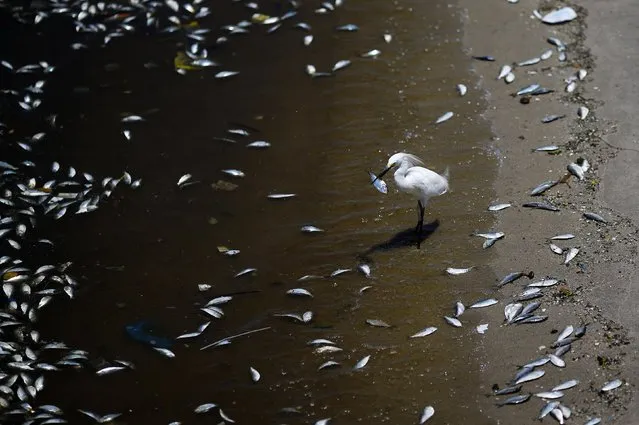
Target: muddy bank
(596,284)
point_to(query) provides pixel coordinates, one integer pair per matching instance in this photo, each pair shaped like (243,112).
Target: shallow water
(141,256)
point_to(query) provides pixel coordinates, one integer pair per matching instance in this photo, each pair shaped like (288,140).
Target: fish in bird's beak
(377,182)
(386,170)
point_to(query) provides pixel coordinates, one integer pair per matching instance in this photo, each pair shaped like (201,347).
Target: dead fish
(530,376)
(543,187)
(320,341)
(540,206)
(518,399)
(528,89)
(371,53)
(549,148)
(581,331)
(311,229)
(233,172)
(576,170)
(427,413)
(388,38)
(299,292)
(132,118)
(582,112)
(558,414)
(445,117)
(309,277)
(595,217)
(311,70)
(511,311)
(348,28)
(341,65)
(365,269)
(127,134)
(489,242)
(550,118)
(330,363)
(340,272)
(556,360)
(109,370)
(247,271)
(258,144)
(362,363)
(571,87)
(572,253)
(511,277)
(484,303)
(238,132)
(565,385)
(508,390)
(581,74)
(379,184)
(225,417)
(509,78)
(546,55)
(559,16)
(226,74)
(594,421)
(378,323)
(491,235)
(455,272)
(556,42)
(184,179)
(612,385)
(308,39)
(327,349)
(165,352)
(505,70)
(281,196)
(323,421)
(529,62)
(547,409)
(484,58)
(204,408)
(563,237)
(550,395)
(461,89)
(255,375)
(424,332)
(498,207)
(557,250)
(98,418)
(531,319)
(459,308)
(453,321)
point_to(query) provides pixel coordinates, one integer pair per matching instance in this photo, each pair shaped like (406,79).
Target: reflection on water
(141,257)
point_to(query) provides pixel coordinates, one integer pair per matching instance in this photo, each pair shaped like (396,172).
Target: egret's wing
(426,183)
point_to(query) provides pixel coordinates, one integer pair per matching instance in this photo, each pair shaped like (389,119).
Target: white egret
(413,178)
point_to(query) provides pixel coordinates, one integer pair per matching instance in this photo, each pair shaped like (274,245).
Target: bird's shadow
(403,239)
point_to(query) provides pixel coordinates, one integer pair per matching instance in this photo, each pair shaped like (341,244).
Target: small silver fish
(593,421)
(545,411)
(557,361)
(612,385)
(330,363)
(572,253)
(453,321)
(491,235)
(250,270)
(233,172)
(546,55)
(455,272)
(258,144)
(565,385)
(549,148)
(281,196)
(372,53)
(340,272)
(557,250)
(362,363)
(484,303)
(184,179)
(509,78)
(544,283)
(424,332)
(582,112)
(499,207)
(528,62)
(379,184)
(445,117)
(505,70)
(300,292)
(327,349)
(204,408)
(581,74)
(462,89)
(308,39)
(226,74)
(341,65)
(459,308)
(388,38)
(311,229)
(132,118)
(563,237)
(365,269)
(595,217)
(255,375)
(377,323)
(165,352)
(427,413)
(531,376)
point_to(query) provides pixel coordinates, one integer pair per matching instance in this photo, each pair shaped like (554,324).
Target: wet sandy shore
(601,282)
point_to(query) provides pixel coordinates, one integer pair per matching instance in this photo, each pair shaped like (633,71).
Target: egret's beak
(380,175)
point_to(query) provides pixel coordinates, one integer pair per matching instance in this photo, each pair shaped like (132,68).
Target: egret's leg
(420,222)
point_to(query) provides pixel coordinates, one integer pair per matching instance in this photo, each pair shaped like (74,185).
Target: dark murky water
(141,256)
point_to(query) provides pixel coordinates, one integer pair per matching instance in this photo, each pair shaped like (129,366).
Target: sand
(600,285)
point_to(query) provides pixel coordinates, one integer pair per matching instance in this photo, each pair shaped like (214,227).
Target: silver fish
(531,376)
(453,321)
(557,361)
(362,363)
(557,414)
(234,173)
(581,74)
(499,207)
(427,413)
(320,341)
(568,330)
(563,237)
(517,399)
(226,74)
(595,217)
(505,70)
(249,270)
(255,375)
(379,184)
(565,385)
(311,229)
(572,253)
(308,39)
(557,250)
(543,187)
(612,385)
(512,310)
(330,363)
(340,272)
(484,303)
(593,421)
(546,55)
(455,272)
(184,179)
(281,195)
(365,269)
(528,62)
(109,370)
(259,144)
(492,235)
(509,78)
(445,117)
(582,112)
(461,89)
(388,38)
(300,292)
(377,323)
(327,349)
(551,395)
(372,53)
(459,308)
(341,65)
(549,148)
(547,409)
(550,118)
(165,352)
(424,332)
(528,89)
